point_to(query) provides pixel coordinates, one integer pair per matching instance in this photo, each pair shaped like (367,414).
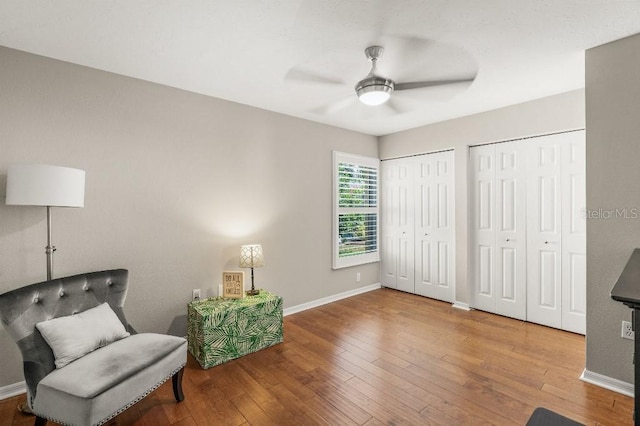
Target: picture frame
(232,285)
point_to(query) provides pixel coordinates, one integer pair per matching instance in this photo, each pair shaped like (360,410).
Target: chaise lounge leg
(177,385)
(40,421)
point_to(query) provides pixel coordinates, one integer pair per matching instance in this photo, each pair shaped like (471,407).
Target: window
(355,210)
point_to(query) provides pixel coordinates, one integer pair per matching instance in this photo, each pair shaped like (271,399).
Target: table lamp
(47,186)
(251,257)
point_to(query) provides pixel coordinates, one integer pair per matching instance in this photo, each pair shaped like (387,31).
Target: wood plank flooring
(387,358)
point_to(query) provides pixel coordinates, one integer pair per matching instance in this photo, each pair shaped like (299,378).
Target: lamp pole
(45,186)
(49,249)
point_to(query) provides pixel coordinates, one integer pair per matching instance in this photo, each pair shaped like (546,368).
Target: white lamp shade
(251,256)
(44,185)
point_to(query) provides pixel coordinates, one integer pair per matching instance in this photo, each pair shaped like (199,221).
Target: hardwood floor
(387,358)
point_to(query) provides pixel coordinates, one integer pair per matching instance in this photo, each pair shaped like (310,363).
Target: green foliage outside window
(358,190)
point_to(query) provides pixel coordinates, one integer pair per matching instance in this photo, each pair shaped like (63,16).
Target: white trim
(540,135)
(607,382)
(21,387)
(12,390)
(329,299)
(338,262)
(461,305)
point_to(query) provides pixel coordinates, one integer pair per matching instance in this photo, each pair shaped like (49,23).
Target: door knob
(507,240)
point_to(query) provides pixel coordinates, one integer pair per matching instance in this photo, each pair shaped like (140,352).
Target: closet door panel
(508,289)
(405,264)
(483,229)
(405,236)
(426,245)
(510,218)
(425,250)
(484,277)
(423,265)
(574,279)
(549,283)
(389,219)
(405,212)
(443,231)
(544,267)
(435,268)
(443,266)
(388,264)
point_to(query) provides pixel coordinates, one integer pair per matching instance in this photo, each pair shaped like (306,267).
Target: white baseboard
(597,379)
(329,299)
(19,388)
(461,305)
(12,390)
(607,382)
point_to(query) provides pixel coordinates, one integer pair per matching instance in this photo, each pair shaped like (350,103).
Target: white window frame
(360,259)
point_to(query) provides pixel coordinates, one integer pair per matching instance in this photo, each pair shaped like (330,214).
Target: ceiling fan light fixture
(374,90)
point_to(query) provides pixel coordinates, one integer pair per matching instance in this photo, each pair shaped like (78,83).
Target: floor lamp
(46,186)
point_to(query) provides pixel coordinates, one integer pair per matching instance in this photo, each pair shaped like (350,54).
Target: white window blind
(356,210)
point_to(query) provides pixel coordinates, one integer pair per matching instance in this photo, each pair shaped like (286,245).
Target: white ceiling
(271,54)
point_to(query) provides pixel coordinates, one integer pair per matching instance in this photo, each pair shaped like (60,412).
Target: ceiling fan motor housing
(374,52)
(373,89)
(374,84)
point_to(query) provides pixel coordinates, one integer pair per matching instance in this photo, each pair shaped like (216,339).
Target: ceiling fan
(376,90)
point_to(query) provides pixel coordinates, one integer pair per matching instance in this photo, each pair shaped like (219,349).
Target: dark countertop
(627,289)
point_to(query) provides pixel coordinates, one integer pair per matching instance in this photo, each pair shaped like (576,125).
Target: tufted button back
(21,309)
(63,296)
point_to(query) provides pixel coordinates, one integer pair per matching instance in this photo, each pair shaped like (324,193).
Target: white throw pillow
(73,336)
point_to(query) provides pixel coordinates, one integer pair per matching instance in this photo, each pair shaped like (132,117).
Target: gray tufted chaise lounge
(103,383)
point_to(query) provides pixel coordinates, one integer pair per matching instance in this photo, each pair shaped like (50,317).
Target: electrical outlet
(357,277)
(627,331)
(195,294)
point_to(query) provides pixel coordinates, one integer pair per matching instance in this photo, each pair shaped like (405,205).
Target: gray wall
(176,182)
(613,182)
(547,115)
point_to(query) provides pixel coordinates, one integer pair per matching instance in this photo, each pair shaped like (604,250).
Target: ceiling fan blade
(421,84)
(334,107)
(395,106)
(297,74)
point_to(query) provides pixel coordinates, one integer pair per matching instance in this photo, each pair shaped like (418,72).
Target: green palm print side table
(220,330)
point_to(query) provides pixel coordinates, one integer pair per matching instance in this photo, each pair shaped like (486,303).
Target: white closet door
(527,232)
(510,224)
(483,228)
(405,276)
(397,225)
(388,220)
(544,263)
(574,280)
(434,226)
